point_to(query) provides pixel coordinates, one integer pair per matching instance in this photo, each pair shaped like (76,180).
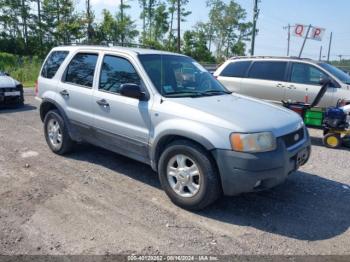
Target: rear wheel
(56,133)
(332,140)
(188,175)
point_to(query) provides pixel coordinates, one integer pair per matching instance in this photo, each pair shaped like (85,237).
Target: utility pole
(288,39)
(58,10)
(122,20)
(340,57)
(329,46)
(24,18)
(178,26)
(210,35)
(306,36)
(39,24)
(320,56)
(88,13)
(255,19)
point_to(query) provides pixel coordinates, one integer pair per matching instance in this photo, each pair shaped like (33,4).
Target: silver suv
(290,79)
(167,111)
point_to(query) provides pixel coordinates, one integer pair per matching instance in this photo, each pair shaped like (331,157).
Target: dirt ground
(97,202)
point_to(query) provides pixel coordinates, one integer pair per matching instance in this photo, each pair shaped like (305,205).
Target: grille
(293,138)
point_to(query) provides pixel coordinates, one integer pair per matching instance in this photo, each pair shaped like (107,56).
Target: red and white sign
(316,33)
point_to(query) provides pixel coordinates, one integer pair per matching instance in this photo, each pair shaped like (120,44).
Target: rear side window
(81,69)
(115,72)
(268,70)
(53,63)
(236,69)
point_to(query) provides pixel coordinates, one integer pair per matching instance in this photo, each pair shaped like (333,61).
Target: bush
(23,69)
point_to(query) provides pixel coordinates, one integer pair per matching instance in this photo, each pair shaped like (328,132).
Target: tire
(203,189)
(332,140)
(65,143)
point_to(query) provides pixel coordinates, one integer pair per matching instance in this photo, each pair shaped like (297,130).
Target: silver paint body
(207,120)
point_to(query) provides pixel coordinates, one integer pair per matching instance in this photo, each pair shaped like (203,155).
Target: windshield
(345,78)
(180,76)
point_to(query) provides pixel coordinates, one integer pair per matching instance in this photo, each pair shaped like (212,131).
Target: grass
(23,69)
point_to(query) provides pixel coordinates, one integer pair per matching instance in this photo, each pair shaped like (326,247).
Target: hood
(241,114)
(6,81)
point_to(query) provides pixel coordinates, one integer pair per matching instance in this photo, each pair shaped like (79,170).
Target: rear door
(304,84)
(231,76)
(265,80)
(76,90)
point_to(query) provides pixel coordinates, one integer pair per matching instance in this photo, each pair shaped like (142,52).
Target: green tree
(117,29)
(60,23)
(196,44)
(228,26)
(172,10)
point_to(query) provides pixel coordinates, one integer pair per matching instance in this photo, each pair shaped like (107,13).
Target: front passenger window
(306,74)
(115,72)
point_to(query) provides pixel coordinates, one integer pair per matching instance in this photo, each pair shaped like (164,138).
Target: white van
(290,79)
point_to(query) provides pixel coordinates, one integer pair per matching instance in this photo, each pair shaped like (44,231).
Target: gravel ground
(97,202)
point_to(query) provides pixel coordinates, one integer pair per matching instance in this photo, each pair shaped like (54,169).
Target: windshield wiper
(184,94)
(197,93)
(217,92)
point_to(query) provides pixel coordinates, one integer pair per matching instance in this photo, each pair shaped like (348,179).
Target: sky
(333,15)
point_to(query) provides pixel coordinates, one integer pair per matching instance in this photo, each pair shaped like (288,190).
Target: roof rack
(108,44)
(267,56)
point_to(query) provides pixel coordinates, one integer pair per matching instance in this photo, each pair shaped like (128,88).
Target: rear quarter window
(53,63)
(236,69)
(268,70)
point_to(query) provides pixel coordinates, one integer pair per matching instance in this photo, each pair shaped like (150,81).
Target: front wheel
(188,175)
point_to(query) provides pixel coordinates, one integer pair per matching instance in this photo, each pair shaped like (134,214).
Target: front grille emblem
(296,137)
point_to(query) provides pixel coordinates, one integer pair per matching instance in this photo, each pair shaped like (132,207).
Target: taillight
(36,90)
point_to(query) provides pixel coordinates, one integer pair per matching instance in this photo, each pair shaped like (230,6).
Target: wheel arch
(165,139)
(47,105)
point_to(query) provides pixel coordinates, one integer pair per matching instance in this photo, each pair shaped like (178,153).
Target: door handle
(291,87)
(279,85)
(64,93)
(102,102)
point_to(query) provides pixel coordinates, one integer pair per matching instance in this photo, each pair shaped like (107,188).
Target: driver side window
(116,71)
(306,74)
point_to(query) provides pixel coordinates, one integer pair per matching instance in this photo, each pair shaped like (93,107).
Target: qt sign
(315,33)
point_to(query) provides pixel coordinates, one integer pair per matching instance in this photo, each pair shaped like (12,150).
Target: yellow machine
(334,138)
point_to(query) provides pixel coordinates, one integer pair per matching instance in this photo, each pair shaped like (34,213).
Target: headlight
(254,142)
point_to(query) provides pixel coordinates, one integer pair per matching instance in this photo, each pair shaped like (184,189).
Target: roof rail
(268,56)
(108,44)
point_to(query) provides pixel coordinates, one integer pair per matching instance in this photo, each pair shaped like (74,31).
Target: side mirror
(324,81)
(133,91)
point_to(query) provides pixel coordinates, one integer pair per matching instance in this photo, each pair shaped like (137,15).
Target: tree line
(33,27)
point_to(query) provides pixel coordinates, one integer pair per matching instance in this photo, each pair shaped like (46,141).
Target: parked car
(167,111)
(11,91)
(276,79)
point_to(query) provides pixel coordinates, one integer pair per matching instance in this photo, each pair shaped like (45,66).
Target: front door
(304,85)
(122,123)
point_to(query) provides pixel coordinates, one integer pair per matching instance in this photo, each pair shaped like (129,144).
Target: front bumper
(249,172)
